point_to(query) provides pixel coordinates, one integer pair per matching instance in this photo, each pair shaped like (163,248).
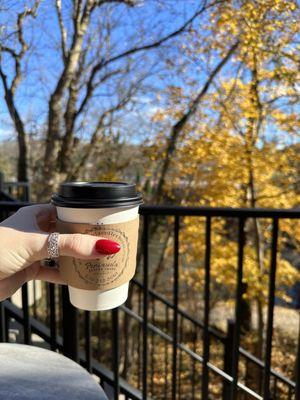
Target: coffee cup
(103,209)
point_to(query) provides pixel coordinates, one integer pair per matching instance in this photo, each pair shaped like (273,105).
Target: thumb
(73,245)
(86,246)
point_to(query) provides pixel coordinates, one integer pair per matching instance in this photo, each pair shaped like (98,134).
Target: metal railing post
(297,368)
(238,307)
(228,364)
(2,323)
(70,327)
(145,307)
(1,180)
(116,352)
(52,316)
(26,321)
(88,344)
(26,192)
(270,315)
(206,336)
(175,309)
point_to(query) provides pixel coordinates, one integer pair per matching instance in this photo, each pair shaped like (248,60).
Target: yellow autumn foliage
(241,149)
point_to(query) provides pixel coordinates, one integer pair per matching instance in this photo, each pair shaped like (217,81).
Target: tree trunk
(181,123)
(22,167)
(258,243)
(253,375)
(55,116)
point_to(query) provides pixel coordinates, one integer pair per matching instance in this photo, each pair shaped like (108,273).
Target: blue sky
(43,62)
(134,26)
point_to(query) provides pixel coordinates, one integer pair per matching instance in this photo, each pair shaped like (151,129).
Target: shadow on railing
(183,369)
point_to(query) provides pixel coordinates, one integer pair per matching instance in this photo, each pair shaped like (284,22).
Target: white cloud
(6,134)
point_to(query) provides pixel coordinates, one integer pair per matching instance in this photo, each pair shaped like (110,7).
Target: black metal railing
(195,359)
(12,191)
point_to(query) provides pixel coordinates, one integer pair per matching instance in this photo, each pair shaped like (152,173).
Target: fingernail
(106,246)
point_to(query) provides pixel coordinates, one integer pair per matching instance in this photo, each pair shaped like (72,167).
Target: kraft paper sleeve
(107,271)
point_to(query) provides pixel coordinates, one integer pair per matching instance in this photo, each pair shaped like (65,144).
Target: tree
(237,149)
(10,87)
(92,63)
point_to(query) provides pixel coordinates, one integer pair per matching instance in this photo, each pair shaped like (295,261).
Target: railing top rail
(220,211)
(146,209)
(13,183)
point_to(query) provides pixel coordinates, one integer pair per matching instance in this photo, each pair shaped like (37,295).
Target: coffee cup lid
(96,195)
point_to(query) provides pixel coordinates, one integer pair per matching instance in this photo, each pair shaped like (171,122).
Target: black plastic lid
(96,195)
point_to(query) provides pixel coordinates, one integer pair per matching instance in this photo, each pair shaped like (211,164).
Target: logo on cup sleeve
(107,269)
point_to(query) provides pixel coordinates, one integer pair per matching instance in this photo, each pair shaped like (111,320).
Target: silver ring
(52,245)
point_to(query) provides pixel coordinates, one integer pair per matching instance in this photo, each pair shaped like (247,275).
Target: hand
(24,237)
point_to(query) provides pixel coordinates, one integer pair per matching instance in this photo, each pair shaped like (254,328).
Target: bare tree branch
(70,116)
(81,23)
(19,126)
(24,47)
(228,99)
(90,146)
(158,43)
(99,127)
(71,113)
(179,126)
(63,31)
(55,115)
(294,98)
(6,49)
(90,91)
(103,63)
(130,3)
(9,90)
(76,11)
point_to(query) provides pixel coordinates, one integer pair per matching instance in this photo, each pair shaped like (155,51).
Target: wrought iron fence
(195,360)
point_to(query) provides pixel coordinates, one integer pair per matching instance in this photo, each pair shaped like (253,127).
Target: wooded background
(196,101)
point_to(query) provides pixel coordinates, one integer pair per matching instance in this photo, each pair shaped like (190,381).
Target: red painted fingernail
(106,246)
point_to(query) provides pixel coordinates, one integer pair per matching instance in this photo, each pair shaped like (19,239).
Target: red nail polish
(106,246)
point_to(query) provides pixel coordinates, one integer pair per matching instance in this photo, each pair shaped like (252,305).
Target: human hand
(24,237)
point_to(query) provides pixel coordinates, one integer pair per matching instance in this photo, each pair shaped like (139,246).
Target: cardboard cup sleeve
(108,271)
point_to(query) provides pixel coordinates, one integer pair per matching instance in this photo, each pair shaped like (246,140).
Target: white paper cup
(93,300)
(96,299)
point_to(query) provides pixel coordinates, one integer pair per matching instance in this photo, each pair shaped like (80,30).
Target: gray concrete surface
(33,373)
